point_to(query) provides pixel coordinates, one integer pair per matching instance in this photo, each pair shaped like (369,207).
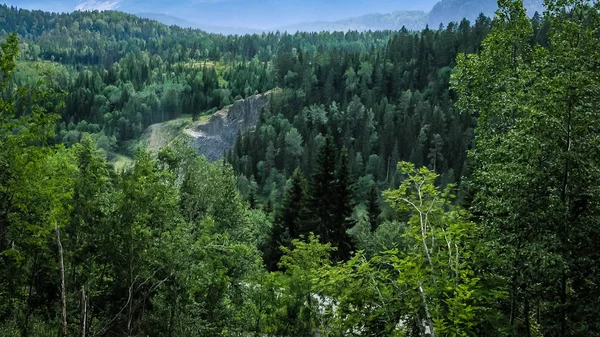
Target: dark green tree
(323,192)
(342,209)
(373,208)
(291,220)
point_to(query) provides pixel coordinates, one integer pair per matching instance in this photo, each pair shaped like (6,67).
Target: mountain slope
(447,11)
(170,20)
(231,17)
(412,20)
(443,12)
(255,14)
(215,136)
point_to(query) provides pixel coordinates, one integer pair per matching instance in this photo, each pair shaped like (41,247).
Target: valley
(345,174)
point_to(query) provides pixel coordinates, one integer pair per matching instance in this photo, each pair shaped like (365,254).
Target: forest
(434,183)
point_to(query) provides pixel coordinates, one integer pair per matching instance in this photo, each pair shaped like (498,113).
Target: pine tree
(435,152)
(290,221)
(294,212)
(342,189)
(373,208)
(272,253)
(323,197)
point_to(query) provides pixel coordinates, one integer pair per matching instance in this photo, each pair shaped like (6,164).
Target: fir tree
(373,208)
(323,197)
(342,209)
(294,212)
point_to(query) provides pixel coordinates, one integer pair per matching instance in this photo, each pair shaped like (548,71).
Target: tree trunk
(527,323)
(83,312)
(63,293)
(25,332)
(172,318)
(427,313)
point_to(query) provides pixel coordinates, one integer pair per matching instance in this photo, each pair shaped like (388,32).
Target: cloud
(101,5)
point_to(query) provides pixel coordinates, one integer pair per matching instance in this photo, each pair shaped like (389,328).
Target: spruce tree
(290,221)
(373,208)
(342,209)
(295,212)
(322,201)
(272,253)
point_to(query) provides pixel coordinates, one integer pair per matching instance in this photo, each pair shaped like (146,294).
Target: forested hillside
(124,73)
(381,106)
(398,183)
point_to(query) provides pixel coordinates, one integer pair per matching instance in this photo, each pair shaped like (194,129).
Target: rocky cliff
(217,135)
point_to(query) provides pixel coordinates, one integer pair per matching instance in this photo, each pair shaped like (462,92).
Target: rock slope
(214,137)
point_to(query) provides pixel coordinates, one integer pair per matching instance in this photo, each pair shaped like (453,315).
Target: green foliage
(437,267)
(265,242)
(291,220)
(535,162)
(384,105)
(300,305)
(138,248)
(35,190)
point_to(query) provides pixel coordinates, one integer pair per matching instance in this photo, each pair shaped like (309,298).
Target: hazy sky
(240,13)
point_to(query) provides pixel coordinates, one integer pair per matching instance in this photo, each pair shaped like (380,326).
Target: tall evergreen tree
(373,208)
(342,209)
(291,220)
(295,209)
(323,194)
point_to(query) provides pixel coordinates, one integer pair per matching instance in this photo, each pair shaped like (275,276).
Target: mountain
(175,21)
(255,16)
(412,20)
(447,11)
(168,20)
(443,12)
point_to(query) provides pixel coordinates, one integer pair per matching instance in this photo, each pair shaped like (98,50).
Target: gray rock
(214,137)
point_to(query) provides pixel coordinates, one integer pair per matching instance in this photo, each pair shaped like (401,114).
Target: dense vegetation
(124,73)
(434,183)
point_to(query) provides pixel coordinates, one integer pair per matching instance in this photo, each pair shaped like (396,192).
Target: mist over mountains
(443,12)
(455,10)
(257,16)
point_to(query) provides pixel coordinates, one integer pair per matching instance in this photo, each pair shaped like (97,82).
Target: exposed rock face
(217,135)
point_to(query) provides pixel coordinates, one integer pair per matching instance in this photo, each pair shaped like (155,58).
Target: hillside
(383,16)
(437,183)
(412,20)
(215,136)
(176,21)
(212,135)
(443,12)
(447,11)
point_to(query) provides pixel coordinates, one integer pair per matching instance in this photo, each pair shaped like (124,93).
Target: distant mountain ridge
(443,12)
(229,17)
(447,11)
(175,21)
(412,20)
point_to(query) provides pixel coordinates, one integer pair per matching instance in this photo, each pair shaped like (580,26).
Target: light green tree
(536,162)
(436,273)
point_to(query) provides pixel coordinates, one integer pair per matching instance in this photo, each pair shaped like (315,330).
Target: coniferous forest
(439,183)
